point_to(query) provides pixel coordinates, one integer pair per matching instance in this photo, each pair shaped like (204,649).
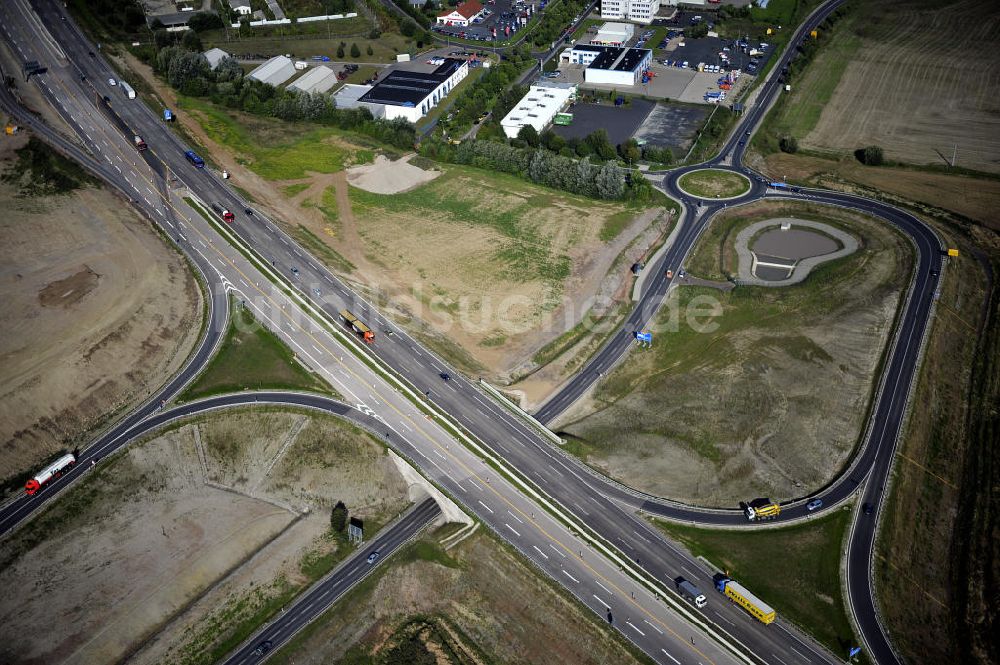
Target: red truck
(223,213)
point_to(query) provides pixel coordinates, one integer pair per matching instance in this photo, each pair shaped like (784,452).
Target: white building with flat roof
(609,65)
(275,71)
(637,11)
(544,100)
(613,34)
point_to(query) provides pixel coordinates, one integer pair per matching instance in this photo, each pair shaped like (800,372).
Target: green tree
(789,144)
(630,151)
(340,52)
(369,50)
(203,21)
(355,51)
(529,135)
(191,40)
(872,156)
(338,517)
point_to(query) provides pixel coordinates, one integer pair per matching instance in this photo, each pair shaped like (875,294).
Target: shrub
(788,144)
(338,517)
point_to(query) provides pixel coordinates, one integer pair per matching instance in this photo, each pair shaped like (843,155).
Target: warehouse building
(637,11)
(215,56)
(614,34)
(538,108)
(609,65)
(411,95)
(275,71)
(317,79)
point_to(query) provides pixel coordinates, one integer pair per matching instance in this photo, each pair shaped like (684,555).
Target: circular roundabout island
(714,184)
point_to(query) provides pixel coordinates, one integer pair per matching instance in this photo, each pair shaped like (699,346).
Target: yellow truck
(737,593)
(355,324)
(761,509)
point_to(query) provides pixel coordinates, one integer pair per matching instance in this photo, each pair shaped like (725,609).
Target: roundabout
(716,184)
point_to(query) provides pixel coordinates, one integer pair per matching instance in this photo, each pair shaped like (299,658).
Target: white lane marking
(167,221)
(282,240)
(515,517)
(313,345)
(725,619)
(557,550)
(687,572)
(202,243)
(799,653)
(405,426)
(486,507)
(670,657)
(581,509)
(641,536)
(646,621)
(601,601)
(475,484)
(569,576)
(778,659)
(512,529)
(438,453)
(603,587)
(636,629)
(544,555)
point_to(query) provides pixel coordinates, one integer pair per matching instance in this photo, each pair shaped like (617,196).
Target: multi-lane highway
(604,508)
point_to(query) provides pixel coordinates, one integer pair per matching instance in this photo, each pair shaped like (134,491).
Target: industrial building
(215,56)
(613,34)
(538,108)
(411,95)
(275,71)
(637,11)
(317,79)
(609,65)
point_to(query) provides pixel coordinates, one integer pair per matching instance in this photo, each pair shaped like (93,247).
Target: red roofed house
(463,15)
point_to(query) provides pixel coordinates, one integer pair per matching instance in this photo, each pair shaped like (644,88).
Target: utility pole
(954,154)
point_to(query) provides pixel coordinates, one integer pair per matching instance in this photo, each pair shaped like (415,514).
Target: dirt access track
(98,311)
(922,82)
(172,545)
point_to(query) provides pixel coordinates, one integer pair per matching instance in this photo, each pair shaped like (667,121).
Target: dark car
(262,648)
(248,212)
(867,508)
(295,271)
(445,375)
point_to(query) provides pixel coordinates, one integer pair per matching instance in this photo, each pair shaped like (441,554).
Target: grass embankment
(252,357)
(41,171)
(714,183)
(470,595)
(276,150)
(934,554)
(796,570)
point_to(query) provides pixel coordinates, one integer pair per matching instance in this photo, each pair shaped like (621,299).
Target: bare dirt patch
(99,311)
(921,82)
(385,176)
(748,408)
(69,291)
(150,552)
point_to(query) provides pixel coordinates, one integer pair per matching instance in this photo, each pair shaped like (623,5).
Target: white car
(112,82)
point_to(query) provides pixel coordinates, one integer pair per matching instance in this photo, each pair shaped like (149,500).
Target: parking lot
(621,122)
(672,126)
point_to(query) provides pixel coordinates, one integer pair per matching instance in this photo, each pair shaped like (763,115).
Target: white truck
(690,592)
(127,89)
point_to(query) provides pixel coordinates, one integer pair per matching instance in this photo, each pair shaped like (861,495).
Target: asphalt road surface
(604,507)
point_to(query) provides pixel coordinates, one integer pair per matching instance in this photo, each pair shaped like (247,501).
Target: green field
(794,569)
(714,183)
(797,113)
(252,357)
(276,150)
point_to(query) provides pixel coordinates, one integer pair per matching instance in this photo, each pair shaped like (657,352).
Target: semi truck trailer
(223,213)
(737,593)
(50,473)
(355,324)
